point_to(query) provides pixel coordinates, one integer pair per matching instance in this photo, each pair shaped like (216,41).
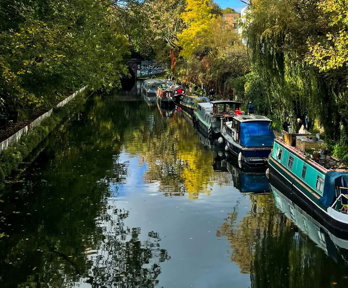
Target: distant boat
(321,185)
(334,246)
(169,91)
(249,137)
(209,116)
(149,89)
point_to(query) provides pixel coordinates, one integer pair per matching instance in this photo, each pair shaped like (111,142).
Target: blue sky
(235,4)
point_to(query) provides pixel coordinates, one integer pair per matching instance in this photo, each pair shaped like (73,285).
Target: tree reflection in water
(268,246)
(59,214)
(123,260)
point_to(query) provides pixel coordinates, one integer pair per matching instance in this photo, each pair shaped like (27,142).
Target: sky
(235,4)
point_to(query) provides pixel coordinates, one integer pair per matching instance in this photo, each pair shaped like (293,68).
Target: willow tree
(278,32)
(330,51)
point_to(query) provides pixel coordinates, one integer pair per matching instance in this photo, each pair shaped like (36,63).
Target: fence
(17,136)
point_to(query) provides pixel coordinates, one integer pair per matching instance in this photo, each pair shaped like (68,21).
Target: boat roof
(197,97)
(330,164)
(251,118)
(206,105)
(231,102)
(153,81)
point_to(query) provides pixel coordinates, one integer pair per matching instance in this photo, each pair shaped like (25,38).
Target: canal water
(125,194)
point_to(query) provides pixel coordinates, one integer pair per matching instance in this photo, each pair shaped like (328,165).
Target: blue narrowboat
(208,117)
(250,137)
(320,185)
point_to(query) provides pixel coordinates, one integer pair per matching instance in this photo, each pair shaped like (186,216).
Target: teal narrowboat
(321,185)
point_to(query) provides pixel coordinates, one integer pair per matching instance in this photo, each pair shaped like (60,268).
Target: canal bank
(19,146)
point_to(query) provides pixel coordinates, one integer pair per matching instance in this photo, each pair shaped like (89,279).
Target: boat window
(290,162)
(304,170)
(320,184)
(279,154)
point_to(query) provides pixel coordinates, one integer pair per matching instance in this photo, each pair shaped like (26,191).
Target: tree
(330,52)
(278,32)
(198,17)
(54,47)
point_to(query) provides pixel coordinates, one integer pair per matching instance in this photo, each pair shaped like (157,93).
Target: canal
(123,196)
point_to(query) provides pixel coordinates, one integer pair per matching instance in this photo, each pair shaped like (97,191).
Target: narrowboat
(149,87)
(169,91)
(249,137)
(334,246)
(164,96)
(188,103)
(248,179)
(321,185)
(208,117)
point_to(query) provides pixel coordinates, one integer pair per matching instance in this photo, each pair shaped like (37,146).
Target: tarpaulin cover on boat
(256,134)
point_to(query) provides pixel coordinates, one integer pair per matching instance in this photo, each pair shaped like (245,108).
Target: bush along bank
(13,156)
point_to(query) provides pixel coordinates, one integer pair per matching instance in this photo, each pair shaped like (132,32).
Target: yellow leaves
(331,52)
(198,18)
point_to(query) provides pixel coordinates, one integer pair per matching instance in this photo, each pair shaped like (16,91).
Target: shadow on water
(55,219)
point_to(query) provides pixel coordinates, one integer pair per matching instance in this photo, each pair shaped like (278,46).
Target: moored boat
(169,92)
(209,116)
(149,87)
(188,103)
(321,185)
(249,137)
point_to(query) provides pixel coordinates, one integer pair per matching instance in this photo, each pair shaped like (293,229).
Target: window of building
(304,170)
(320,184)
(290,162)
(279,154)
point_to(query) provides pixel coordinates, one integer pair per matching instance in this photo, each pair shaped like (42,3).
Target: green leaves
(55,47)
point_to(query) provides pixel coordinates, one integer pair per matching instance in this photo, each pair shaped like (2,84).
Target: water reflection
(79,218)
(248,179)
(334,246)
(55,217)
(122,259)
(166,108)
(280,250)
(175,158)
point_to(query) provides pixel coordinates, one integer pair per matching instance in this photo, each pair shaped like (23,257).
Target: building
(231,19)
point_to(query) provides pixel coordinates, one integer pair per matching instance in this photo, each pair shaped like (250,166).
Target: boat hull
(251,156)
(288,188)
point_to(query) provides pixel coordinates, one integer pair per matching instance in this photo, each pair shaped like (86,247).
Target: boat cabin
(225,107)
(250,130)
(324,179)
